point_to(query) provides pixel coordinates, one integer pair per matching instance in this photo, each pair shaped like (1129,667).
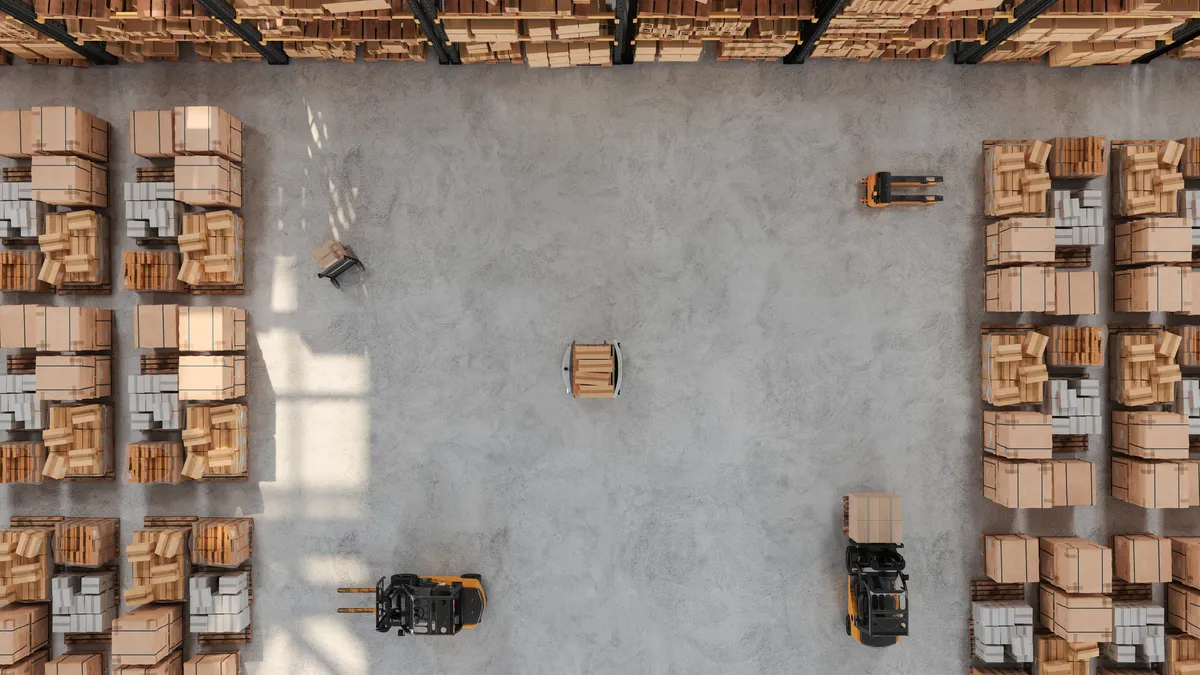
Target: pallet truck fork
(879,187)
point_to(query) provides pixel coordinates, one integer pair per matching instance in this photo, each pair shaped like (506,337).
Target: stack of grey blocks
(19,407)
(1003,631)
(1191,213)
(83,603)
(1078,217)
(219,603)
(1075,406)
(1139,634)
(154,402)
(151,211)
(20,216)
(1187,402)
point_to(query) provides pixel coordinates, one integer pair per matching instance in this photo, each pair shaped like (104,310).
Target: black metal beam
(57,30)
(222,11)
(623,32)
(1002,30)
(1183,35)
(812,32)
(426,16)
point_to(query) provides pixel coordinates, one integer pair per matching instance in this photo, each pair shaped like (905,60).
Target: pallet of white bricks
(51,208)
(60,392)
(187,206)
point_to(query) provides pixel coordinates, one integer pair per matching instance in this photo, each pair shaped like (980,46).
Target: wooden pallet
(169,521)
(239,289)
(17,174)
(1006,328)
(20,364)
(983,590)
(35,521)
(109,475)
(1073,257)
(156,174)
(98,289)
(87,638)
(1122,590)
(159,364)
(1070,443)
(17,242)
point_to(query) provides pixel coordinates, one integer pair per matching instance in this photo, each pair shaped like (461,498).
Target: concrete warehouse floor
(784,346)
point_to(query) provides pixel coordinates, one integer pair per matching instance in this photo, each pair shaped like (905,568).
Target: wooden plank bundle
(1098,53)
(753,51)
(76,250)
(221,542)
(213,247)
(154,462)
(1146,178)
(22,461)
(1189,165)
(868,50)
(1075,346)
(1144,371)
(1085,157)
(504,52)
(528,9)
(1189,348)
(689,29)
(1015,181)
(86,542)
(593,371)
(1013,52)
(25,564)
(159,557)
(153,271)
(671,51)
(216,441)
(156,174)
(79,441)
(565,54)
(1013,366)
(19,272)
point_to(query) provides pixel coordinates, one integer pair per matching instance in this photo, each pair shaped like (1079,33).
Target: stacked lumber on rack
(483,52)
(1085,157)
(1075,346)
(151,271)
(1144,371)
(221,542)
(1013,370)
(159,558)
(154,462)
(1015,181)
(593,371)
(79,441)
(19,272)
(747,50)
(215,439)
(669,51)
(1189,348)
(1189,165)
(566,54)
(75,245)
(213,249)
(86,542)
(690,29)
(212,378)
(26,564)
(1146,178)
(22,462)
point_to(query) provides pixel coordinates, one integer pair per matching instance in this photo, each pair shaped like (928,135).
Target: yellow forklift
(417,605)
(876,585)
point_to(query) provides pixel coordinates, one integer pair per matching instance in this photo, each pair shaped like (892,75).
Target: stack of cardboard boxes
(149,637)
(744,50)
(1076,574)
(873,517)
(70,151)
(212,244)
(1015,181)
(1151,241)
(221,542)
(26,564)
(1157,288)
(1043,289)
(211,329)
(1144,371)
(1146,178)
(214,663)
(1150,466)
(215,440)
(25,638)
(1018,466)
(73,378)
(79,442)
(1183,594)
(669,51)
(1183,654)
(159,558)
(1012,369)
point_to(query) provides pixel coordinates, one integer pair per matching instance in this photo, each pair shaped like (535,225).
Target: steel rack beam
(57,30)
(426,17)
(623,39)
(812,32)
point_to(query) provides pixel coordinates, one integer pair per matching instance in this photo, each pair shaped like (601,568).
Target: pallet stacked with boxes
(1001,624)
(26,573)
(221,594)
(1076,576)
(743,29)
(545,33)
(85,591)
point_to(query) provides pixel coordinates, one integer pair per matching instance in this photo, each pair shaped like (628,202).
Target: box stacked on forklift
(876,585)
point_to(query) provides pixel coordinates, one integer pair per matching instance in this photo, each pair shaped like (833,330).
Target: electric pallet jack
(416,605)
(879,189)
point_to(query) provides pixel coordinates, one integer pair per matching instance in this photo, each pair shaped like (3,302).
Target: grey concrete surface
(784,346)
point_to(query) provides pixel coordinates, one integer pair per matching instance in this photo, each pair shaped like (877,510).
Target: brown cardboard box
(1010,558)
(1142,558)
(328,254)
(30,665)
(1159,288)
(1155,484)
(1152,240)
(69,181)
(1076,617)
(1075,565)
(73,378)
(1150,434)
(875,518)
(77,664)
(212,664)
(152,133)
(171,665)
(1017,434)
(212,329)
(1185,560)
(1183,609)
(67,130)
(211,378)
(207,130)
(1018,484)
(24,629)
(1074,482)
(1076,292)
(1020,240)
(16,134)
(146,635)
(156,326)
(72,329)
(1021,289)
(208,181)
(18,326)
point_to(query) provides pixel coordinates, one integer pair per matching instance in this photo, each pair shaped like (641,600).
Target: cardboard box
(69,181)
(1150,434)
(146,635)
(1185,560)
(67,130)
(1074,482)
(1020,240)
(152,133)
(208,181)
(329,254)
(1076,292)
(1020,289)
(212,664)
(30,665)
(1156,484)
(1142,558)
(16,134)
(1018,484)
(212,329)
(1076,617)
(1152,240)
(1160,288)
(1010,558)
(875,518)
(156,326)
(1183,609)
(18,326)
(24,629)
(1018,434)
(72,329)
(172,665)
(211,378)
(207,130)
(76,664)
(1075,565)
(73,378)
